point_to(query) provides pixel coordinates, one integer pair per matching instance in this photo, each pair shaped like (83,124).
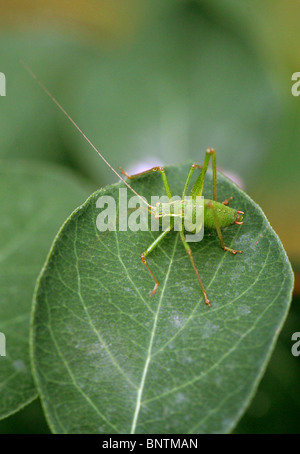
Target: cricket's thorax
(176,210)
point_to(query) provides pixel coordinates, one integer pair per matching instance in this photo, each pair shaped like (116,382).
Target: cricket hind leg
(190,174)
(189,252)
(147,251)
(199,184)
(218,228)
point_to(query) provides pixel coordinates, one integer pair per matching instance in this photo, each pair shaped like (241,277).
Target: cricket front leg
(147,251)
(218,228)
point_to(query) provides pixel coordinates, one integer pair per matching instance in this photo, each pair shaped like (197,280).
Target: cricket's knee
(189,252)
(158,169)
(210,151)
(196,166)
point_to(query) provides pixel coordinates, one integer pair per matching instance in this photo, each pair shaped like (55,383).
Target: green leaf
(109,359)
(35,199)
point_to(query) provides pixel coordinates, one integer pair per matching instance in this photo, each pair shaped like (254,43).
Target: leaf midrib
(149,352)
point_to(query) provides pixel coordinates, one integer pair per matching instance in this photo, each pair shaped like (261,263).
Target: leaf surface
(109,359)
(34,200)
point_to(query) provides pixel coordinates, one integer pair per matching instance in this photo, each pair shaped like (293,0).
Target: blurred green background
(157,82)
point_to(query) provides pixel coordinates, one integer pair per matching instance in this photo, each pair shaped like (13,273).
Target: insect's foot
(207,301)
(226,202)
(233,251)
(123,172)
(154,290)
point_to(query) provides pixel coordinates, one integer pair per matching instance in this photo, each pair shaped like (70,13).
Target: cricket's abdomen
(226,215)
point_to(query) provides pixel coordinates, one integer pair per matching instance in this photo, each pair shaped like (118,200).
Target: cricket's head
(239,218)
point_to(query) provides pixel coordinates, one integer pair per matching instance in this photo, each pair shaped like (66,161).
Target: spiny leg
(233,251)
(154,169)
(148,250)
(189,252)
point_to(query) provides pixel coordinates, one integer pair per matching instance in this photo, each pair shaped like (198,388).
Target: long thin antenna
(77,127)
